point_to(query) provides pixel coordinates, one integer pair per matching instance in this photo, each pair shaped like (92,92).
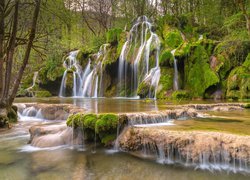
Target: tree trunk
(27,53)
(10,52)
(2,6)
(243,8)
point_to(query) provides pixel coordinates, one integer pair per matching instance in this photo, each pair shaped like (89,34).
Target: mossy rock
(247,106)
(199,76)
(4,121)
(107,123)
(143,89)
(165,83)
(108,139)
(166,58)
(181,95)
(42,93)
(75,120)
(173,38)
(246,63)
(89,121)
(238,83)
(12,115)
(113,36)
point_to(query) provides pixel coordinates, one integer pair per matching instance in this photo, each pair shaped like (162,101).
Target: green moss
(181,94)
(173,39)
(89,121)
(107,123)
(247,106)
(12,115)
(42,93)
(122,40)
(165,58)
(246,63)
(75,120)
(165,83)
(106,140)
(143,89)
(4,121)
(238,83)
(113,36)
(199,75)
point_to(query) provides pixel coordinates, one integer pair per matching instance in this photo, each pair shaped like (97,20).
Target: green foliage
(113,36)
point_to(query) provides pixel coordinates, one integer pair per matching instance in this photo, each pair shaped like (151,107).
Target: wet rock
(53,135)
(189,146)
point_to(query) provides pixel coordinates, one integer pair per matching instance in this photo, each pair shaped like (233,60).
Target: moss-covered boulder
(42,93)
(113,36)
(4,121)
(165,83)
(107,123)
(180,95)
(143,89)
(238,82)
(102,125)
(199,75)
(172,37)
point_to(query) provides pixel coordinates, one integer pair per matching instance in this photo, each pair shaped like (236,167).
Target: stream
(18,160)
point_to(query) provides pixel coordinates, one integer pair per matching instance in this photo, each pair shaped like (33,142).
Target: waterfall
(176,80)
(139,60)
(87,82)
(72,66)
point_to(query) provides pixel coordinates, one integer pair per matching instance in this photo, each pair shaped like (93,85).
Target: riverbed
(19,160)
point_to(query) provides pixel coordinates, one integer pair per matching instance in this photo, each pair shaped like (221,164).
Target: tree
(243,7)
(8,44)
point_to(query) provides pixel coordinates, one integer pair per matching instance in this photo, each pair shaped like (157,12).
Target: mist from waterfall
(139,60)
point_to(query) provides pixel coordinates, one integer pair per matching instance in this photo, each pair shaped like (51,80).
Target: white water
(134,65)
(176,78)
(72,66)
(87,82)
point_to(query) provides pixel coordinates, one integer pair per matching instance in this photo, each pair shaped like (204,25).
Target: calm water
(20,161)
(112,104)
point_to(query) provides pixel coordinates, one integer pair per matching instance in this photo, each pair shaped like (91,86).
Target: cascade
(139,60)
(72,66)
(176,80)
(87,82)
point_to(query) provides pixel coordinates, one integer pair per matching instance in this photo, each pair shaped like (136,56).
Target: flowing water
(176,78)
(21,161)
(87,81)
(139,60)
